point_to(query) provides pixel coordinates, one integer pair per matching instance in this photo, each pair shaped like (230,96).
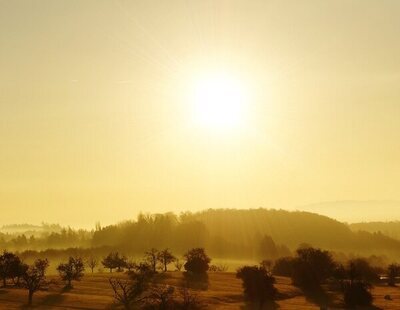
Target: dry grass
(224,292)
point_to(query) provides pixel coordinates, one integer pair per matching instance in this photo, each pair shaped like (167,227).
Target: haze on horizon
(100,119)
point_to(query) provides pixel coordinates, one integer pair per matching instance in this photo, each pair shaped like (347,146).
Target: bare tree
(165,257)
(92,262)
(151,257)
(72,270)
(122,292)
(218,268)
(178,264)
(34,278)
(131,293)
(161,297)
(190,301)
(130,264)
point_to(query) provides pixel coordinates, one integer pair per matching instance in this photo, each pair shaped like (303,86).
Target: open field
(224,292)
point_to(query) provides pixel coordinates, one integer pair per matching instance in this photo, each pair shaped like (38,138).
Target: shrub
(197,261)
(311,267)
(283,267)
(356,293)
(258,284)
(71,270)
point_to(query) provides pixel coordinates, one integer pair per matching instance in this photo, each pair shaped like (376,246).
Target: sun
(219,102)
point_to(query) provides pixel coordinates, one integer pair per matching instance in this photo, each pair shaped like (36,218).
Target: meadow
(224,292)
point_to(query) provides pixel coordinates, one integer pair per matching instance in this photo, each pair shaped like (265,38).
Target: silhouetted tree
(151,256)
(114,260)
(360,269)
(283,267)
(10,266)
(34,278)
(197,261)
(356,293)
(258,285)
(161,297)
(130,264)
(218,268)
(92,262)
(267,265)
(340,273)
(178,264)
(165,257)
(311,267)
(189,300)
(71,270)
(131,293)
(393,272)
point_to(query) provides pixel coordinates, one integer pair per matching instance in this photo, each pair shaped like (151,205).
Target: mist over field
(199,154)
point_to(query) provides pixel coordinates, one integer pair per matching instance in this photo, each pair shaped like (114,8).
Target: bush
(114,260)
(311,267)
(356,293)
(258,284)
(360,269)
(197,261)
(71,270)
(283,267)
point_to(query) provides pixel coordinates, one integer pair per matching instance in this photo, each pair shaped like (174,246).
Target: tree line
(225,233)
(311,269)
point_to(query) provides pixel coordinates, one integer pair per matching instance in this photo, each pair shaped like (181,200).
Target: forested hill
(231,232)
(252,233)
(391,229)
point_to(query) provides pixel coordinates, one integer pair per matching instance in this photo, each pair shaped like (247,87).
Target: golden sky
(97,111)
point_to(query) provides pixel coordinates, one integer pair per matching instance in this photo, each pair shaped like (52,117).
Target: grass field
(224,292)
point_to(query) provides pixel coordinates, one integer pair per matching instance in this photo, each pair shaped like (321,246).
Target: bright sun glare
(219,102)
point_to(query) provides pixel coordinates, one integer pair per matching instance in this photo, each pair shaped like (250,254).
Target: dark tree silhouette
(114,260)
(311,267)
(151,256)
(130,264)
(258,285)
(71,270)
(34,278)
(360,269)
(356,293)
(197,261)
(92,262)
(178,264)
(165,257)
(10,266)
(392,273)
(161,297)
(131,293)
(283,267)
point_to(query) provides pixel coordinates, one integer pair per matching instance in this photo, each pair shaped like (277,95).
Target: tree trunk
(165,267)
(30,295)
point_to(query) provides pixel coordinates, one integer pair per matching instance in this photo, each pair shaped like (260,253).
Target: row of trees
(196,261)
(61,239)
(310,269)
(33,277)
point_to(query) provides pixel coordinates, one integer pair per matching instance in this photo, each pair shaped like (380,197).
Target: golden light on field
(219,102)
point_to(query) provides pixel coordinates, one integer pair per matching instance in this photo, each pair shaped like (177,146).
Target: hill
(391,229)
(353,211)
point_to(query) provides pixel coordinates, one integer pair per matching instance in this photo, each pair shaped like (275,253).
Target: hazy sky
(96,116)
